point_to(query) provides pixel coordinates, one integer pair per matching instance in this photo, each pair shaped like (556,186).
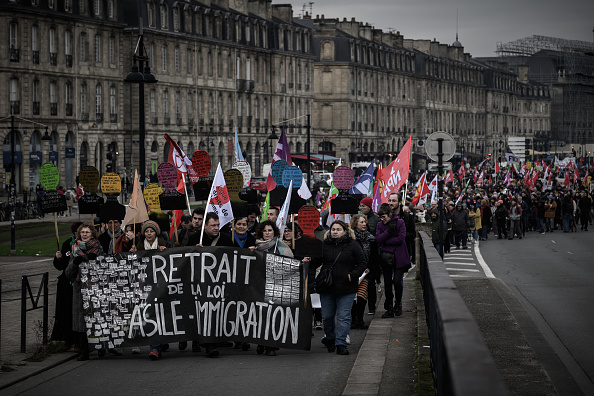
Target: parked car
(258,183)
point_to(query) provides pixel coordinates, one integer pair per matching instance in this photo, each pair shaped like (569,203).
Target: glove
(91,256)
(77,260)
(392,229)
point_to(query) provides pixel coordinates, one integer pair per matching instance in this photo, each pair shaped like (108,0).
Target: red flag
(475,175)
(566,182)
(497,168)
(396,174)
(481,178)
(461,171)
(281,153)
(576,175)
(177,156)
(422,189)
(178,213)
(449,177)
(585,182)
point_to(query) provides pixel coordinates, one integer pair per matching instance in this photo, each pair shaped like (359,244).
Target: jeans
(540,223)
(566,218)
(475,234)
(393,286)
(516,229)
(550,221)
(485,232)
(461,236)
(336,315)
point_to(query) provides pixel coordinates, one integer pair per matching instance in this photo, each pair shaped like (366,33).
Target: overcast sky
(481,23)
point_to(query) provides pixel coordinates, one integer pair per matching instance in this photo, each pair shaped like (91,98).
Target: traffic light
(110,156)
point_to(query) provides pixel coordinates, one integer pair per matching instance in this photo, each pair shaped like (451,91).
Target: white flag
(281,221)
(218,199)
(303,191)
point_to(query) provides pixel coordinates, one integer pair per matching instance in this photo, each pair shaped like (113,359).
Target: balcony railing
(53,109)
(113,118)
(35,57)
(68,60)
(190,120)
(299,86)
(265,123)
(154,120)
(15,107)
(36,108)
(14,55)
(53,59)
(257,121)
(239,122)
(178,120)
(98,117)
(291,85)
(307,87)
(69,109)
(166,119)
(84,116)
(245,85)
(283,88)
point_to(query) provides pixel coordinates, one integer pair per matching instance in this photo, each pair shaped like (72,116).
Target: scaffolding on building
(528,46)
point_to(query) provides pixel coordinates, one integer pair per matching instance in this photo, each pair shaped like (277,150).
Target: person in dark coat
(344,255)
(62,330)
(460,225)
(585,205)
(486,219)
(391,236)
(501,214)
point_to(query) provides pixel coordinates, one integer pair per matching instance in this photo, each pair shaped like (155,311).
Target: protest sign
(111,183)
(167,176)
(52,202)
(309,219)
(278,168)
(201,189)
(292,173)
(151,196)
(343,178)
(210,295)
(49,176)
(201,162)
(89,178)
(172,200)
(112,210)
(234,181)
(246,171)
(89,204)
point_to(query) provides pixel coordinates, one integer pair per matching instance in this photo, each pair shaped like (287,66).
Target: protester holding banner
(241,237)
(85,247)
(367,242)
(62,330)
(127,240)
(112,232)
(344,258)
(212,235)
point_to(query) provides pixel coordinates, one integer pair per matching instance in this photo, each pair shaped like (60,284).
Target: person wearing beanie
(365,209)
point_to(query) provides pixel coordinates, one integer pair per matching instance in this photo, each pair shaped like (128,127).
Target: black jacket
(224,240)
(350,262)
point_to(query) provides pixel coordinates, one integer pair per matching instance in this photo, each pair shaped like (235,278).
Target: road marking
(456,263)
(569,252)
(39,261)
(553,241)
(462,269)
(459,258)
(482,263)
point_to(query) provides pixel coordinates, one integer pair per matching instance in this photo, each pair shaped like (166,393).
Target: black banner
(209,294)
(53,201)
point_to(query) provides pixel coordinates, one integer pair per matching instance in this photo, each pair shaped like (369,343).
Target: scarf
(111,238)
(151,246)
(365,238)
(80,248)
(267,245)
(241,239)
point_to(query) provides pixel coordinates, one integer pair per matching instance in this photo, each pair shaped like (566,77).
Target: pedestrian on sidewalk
(460,222)
(391,236)
(367,242)
(86,247)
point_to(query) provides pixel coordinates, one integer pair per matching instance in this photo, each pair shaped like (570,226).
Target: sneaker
(164,347)
(154,354)
(329,344)
(136,350)
(388,314)
(378,288)
(342,350)
(398,310)
(348,339)
(182,345)
(318,325)
(371,312)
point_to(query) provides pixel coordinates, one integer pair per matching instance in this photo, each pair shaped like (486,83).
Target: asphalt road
(553,277)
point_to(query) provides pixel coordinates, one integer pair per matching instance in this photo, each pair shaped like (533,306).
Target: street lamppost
(273,136)
(141,78)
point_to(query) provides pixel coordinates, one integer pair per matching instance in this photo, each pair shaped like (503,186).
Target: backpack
(68,195)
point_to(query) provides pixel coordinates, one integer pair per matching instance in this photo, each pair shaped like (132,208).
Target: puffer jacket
(476,215)
(350,262)
(459,220)
(392,238)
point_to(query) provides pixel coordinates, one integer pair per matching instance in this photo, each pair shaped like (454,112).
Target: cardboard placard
(344,203)
(249,195)
(343,178)
(52,202)
(278,168)
(292,173)
(202,189)
(277,196)
(167,175)
(111,183)
(90,204)
(151,196)
(112,210)
(234,182)
(201,162)
(49,176)
(296,202)
(172,200)
(240,209)
(246,171)
(89,178)
(309,219)
(308,246)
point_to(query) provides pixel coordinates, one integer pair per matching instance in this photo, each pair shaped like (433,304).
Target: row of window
(68,6)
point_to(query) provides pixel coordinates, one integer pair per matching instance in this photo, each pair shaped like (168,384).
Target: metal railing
(461,363)
(26,287)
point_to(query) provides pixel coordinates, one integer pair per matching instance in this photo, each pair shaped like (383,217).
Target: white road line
(482,262)
(39,261)
(459,258)
(454,263)
(461,276)
(569,252)
(462,269)
(553,241)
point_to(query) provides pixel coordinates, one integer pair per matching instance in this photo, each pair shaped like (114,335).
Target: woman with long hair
(367,242)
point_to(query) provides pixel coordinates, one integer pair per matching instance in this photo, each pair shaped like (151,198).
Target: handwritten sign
(151,196)
(343,178)
(278,168)
(309,219)
(172,200)
(90,204)
(246,171)
(167,175)
(201,162)
(202,189)
(89,178)
(111,183)
(49,176)
(53,201)
(292,173)
(112,210)
(234,182)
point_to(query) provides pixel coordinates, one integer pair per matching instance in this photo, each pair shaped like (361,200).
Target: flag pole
(186,193)
(206,211)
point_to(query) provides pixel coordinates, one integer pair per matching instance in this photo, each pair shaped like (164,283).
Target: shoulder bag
(324,278)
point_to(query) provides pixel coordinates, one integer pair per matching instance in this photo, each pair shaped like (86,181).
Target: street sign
(448,146)
(433,166)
